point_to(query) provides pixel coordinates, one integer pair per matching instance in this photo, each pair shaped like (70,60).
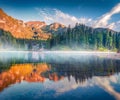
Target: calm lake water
(53,76)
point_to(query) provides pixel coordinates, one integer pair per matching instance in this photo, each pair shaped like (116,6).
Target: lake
(58,76)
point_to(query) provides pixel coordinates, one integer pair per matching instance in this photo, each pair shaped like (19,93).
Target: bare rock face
(35,24)
(43,28)
(56,26)
(19,29)
(16,27)
(28,30)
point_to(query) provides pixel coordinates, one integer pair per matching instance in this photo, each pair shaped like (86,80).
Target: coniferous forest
(84,37)
(80,37)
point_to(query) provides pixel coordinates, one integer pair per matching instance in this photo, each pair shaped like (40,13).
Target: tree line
(78,37)
(7,41)
(85,37)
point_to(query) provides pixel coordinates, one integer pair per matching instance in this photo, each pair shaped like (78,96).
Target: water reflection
(105,83)
(20,72)
(61,73)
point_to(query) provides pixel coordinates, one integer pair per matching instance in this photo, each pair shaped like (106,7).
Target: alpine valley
(34,35)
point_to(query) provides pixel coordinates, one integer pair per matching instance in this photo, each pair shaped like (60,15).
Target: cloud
(117,26)
(111,25)
(103,21)
(54,15)
(104,83)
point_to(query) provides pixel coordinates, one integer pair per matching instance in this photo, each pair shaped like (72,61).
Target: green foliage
(8,42)
(87,38)
(102,49)
(80,37)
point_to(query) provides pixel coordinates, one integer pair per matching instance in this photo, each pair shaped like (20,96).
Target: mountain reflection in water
(61,73)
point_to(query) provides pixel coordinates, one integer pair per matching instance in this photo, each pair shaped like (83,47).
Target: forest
(80,37)
(87,38)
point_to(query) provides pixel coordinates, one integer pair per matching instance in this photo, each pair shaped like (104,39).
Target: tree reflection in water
(38,72)
(64,72)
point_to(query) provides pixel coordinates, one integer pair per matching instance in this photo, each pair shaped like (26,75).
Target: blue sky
(89,12)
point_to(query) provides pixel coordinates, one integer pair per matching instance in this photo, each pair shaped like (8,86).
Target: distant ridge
(18,28)
(31,29)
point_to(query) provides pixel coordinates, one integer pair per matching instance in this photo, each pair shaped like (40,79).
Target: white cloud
(104,83)
(111,25)
(54,15)
(117,26)
(103,21)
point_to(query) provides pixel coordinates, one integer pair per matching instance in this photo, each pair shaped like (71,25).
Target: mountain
(43,28)
(18,28)
(54,28)
(35,24)
(36,27)
(105,30)
(16,33)
(28,30)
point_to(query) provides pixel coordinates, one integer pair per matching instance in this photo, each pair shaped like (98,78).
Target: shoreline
(108,55)
(58,51)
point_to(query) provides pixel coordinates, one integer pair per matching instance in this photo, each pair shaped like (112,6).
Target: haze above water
(53,75)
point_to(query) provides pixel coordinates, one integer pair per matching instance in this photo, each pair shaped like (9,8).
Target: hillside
(33,35)
(54,28)
(18,28)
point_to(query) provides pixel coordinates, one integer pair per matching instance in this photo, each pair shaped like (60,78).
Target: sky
(95,13)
